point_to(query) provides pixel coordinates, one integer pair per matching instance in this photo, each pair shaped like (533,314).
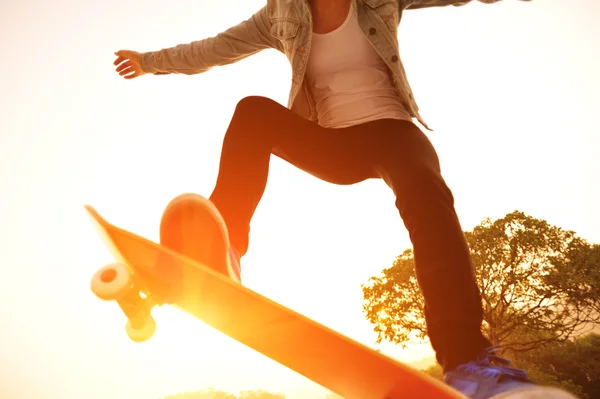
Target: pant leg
(396,151)
(410,166)
(261,127)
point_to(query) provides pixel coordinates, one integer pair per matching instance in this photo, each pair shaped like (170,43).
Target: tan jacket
(286,25)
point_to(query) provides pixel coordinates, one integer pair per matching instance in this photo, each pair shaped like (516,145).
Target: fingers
(127,64)
(125,53)
(125,68)
(129,71)
(123,65)
(122,55)
(133,75)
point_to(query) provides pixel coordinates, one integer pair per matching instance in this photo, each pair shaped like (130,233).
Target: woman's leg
(396,151)
(405,158)
(261,127)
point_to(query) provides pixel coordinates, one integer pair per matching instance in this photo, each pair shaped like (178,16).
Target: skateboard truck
(114,283)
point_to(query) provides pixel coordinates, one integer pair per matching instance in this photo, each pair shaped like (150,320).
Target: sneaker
(490,376)
(193,226)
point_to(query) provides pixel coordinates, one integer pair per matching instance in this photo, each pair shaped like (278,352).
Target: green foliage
(533,276)
(394,304)
(573,365)
(260,394)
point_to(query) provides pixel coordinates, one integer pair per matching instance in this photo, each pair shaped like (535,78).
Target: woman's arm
(238,42)
(414,4)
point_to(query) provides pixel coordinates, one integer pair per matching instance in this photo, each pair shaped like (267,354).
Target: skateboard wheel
(111,282)
(143,333)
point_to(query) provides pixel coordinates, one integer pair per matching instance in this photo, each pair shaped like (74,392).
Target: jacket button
(394,58)
(372,31)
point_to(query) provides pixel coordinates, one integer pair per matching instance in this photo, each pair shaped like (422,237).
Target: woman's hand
(128,64)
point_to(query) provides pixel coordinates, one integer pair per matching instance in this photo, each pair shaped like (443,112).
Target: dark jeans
(400,154)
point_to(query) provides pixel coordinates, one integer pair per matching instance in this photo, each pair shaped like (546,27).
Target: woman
(349,118)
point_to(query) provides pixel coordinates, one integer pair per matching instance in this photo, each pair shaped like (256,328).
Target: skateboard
(147,274)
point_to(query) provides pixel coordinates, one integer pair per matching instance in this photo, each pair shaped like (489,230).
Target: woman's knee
(254,106)
(254,122)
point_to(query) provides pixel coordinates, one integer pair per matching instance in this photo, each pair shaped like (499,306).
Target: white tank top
(350,83)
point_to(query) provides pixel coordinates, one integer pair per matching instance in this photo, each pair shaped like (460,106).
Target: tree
(533,277)
(573,365)
(577,361)
(260,394)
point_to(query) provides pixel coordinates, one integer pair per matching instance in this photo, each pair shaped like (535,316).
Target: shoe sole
(198,231)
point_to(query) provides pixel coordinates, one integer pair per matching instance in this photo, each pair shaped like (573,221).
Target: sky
(511,90)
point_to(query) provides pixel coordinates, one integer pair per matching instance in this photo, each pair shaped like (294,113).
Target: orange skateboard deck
(147,274)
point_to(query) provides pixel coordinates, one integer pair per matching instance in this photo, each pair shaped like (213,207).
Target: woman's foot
(192,226)
(490,376)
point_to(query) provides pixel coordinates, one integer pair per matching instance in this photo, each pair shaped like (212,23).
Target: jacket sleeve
(234,44)
(414,4)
